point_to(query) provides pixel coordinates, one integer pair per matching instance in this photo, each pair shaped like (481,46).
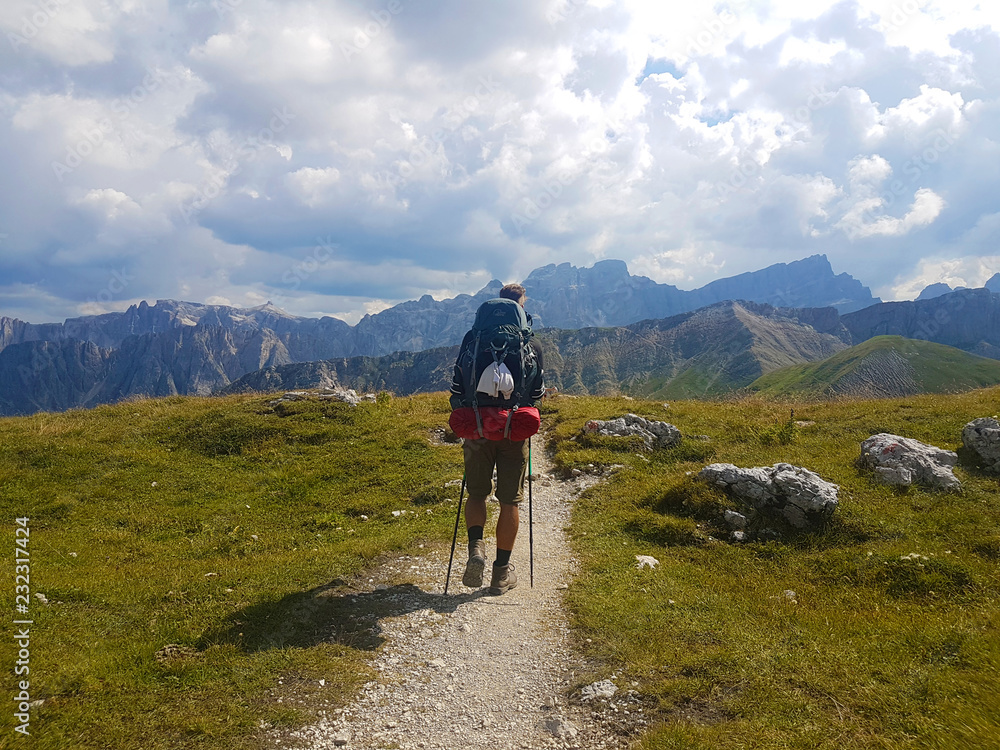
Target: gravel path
(476,671)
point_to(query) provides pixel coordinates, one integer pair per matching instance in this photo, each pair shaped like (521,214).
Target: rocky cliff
(183,347)
(968,319)
(564,296)
(710,351)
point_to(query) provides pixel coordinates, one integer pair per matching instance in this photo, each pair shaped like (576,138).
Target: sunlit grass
(228,527)
(213,524)
(872,651)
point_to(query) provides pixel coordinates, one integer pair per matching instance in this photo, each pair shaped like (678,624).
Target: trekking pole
(454,538)
(531,539)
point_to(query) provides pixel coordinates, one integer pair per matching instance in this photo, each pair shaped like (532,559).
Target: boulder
(653,434)
(982,437)
(804,499)
(903,461)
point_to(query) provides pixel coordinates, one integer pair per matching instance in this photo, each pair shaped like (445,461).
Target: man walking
(515,378)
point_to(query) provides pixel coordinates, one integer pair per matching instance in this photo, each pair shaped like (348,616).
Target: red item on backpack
(524,422)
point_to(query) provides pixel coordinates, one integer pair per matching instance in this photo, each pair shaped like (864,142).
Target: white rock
(925,464)
(599,689)
(801,496)
(653,434)
(643,561)
(561,728)
(982,437)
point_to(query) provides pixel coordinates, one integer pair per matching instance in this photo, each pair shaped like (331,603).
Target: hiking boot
(473,577)
(504,578)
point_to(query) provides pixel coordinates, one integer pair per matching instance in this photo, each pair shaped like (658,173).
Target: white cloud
(967,271)
(861,221)
(66,31)
(689,140)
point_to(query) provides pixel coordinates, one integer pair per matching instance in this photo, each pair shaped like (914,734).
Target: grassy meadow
(220,525)
(228,527)
(892,637)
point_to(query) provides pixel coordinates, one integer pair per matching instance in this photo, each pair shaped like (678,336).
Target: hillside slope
(884,366)
(709,351)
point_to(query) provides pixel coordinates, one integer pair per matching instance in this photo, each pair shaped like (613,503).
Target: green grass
(876,651)
(221,525)
(935,368)
(243,550)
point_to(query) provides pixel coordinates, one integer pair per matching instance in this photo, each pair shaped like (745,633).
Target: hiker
(495,394)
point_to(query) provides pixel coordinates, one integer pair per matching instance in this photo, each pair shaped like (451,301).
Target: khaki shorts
(511,461)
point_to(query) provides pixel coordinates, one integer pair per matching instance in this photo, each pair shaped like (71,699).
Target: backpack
(498,342)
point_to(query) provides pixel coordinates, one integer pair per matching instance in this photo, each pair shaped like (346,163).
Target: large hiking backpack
(498,343)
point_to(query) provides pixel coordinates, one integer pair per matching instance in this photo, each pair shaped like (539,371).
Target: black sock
(503,557)
(475,534)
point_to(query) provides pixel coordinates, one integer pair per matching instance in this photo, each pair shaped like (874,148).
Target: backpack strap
(470,387)
(510,416)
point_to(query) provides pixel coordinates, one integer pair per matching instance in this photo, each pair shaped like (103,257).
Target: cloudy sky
(338,157)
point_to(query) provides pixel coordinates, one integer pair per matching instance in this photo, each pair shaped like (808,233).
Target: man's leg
(475,520)
(479,460)
(507,526)
(512,459)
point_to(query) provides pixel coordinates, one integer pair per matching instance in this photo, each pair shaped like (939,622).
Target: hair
(513,291)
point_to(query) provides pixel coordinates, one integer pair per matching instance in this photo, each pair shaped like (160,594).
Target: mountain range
(604,330)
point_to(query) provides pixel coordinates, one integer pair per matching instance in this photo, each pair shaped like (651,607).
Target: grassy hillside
(228,527)
(884,366)
(216,524)
(892,636)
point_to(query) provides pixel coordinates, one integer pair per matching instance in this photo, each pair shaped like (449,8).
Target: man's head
(515,292)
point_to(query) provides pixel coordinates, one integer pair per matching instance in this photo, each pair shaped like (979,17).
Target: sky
(340,157)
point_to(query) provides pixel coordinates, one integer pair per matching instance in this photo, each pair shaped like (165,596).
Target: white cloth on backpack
(496,379)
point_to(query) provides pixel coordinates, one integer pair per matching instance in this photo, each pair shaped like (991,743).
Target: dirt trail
(476,671)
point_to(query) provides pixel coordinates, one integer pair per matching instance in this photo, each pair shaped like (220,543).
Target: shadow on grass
(331,613)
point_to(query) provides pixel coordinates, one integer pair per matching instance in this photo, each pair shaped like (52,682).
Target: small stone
(600,689)
(341,739)
(644,561)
